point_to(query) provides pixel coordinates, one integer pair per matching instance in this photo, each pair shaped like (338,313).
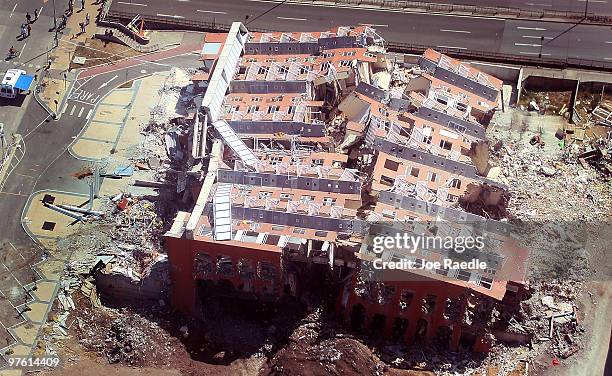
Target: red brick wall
(182,253)
(413,313)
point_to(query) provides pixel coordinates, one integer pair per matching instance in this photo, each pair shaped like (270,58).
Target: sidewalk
(54,87)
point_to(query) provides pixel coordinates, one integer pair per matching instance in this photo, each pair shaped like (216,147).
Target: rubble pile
(400,75)
(316,350)
(547,184)
(177,82)
(129,339)
(137,223)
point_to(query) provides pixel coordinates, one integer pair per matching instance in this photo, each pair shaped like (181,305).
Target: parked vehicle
(15,82)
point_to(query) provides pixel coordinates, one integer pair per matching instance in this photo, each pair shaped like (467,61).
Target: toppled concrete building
(302,145)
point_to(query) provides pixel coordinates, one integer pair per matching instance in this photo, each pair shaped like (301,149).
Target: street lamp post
(54,18)
(2,154)
(541,46)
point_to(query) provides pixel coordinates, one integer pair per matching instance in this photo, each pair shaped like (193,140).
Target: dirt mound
(126,339)
(341,356)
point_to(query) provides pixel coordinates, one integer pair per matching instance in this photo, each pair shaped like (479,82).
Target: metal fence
(474,10)
(497,57)
(160,22)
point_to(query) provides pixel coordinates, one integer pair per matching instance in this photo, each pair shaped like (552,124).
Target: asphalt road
(598,7)
(32,50)
(463,32)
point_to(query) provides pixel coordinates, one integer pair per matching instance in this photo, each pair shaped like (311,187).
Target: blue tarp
(24,82)
(124,171)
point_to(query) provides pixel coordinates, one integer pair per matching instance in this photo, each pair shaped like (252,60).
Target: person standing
(23,31)
(35,14)
(28,17)
(70,6)
(82,25)
(82,4)
(29,29)
(87,19)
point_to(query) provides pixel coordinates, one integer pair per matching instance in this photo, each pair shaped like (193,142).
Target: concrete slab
(122,97)
(102,131)
(44,291)
(27,332)
(20,350)
(90,149)
(52,270)
(11,372)
(49,223)
(110,114)
(38,312)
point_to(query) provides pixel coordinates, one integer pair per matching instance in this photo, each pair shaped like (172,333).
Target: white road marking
(374,25)
(81,102)
(594,1)
(528,44)
(130,3)
(22,48)
(384,10)
(609,41)
(535,37)
(530,28)
(607,58)
(16,250)
(169,15)
(84,82)
(73,108)
(292,19)
(107,82)
(89,114)
(210,11)
(81,112)
(460,48)
(456,31)
(532,53)
(13,11)
(64,108)
(538,5)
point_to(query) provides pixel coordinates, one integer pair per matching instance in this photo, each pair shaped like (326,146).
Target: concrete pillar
(572,104)
(519,85)
(455,337)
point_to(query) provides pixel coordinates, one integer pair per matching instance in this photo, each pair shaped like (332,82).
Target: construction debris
(375,114)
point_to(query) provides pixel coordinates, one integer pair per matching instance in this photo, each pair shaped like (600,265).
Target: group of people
(71,5)
(26,28)
(82,25)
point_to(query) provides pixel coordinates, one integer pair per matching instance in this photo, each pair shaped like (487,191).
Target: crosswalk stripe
(73,108)
(64,108)
(88,114)
(81,112)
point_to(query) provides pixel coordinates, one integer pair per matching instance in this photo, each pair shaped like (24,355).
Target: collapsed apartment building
(300,145)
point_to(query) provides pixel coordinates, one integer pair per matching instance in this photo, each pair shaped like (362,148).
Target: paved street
(597,7)
(463,32)
(32,50)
